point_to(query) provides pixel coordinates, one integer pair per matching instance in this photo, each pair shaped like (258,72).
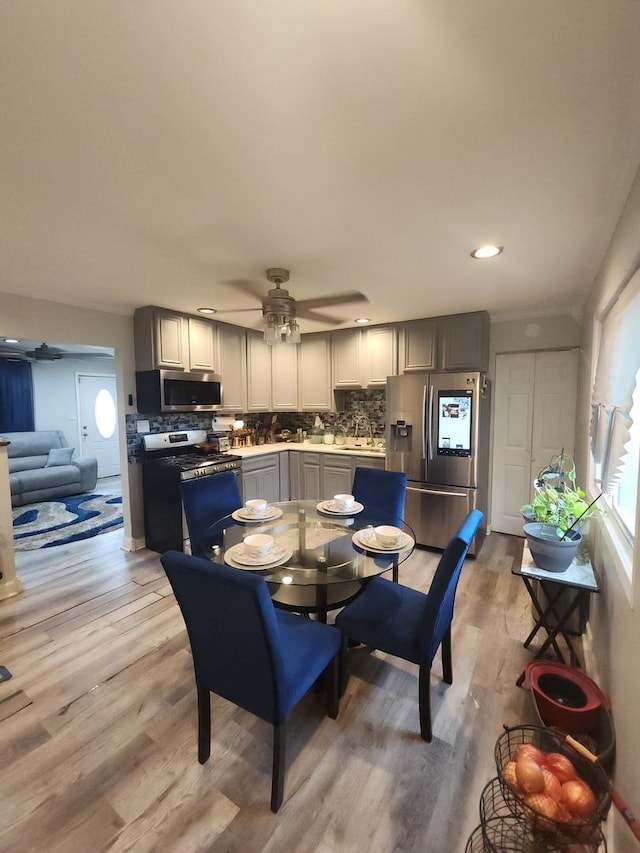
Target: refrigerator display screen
(454,424)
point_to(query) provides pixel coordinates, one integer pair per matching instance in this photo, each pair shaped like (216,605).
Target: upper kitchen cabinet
(232,348)
(418,345)
(456,342)
(362,358)
(272,376)
(161,339)
(463,341)
(171,341)
(315,392)
(203,345)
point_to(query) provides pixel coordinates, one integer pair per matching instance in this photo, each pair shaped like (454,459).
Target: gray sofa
(42,467)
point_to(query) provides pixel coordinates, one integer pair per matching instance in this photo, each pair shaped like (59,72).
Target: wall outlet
(142,426)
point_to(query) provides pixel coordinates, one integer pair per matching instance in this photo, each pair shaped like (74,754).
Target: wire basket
(583,830)
(503,831)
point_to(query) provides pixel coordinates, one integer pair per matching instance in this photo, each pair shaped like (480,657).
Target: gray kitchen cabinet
(295,475)
(203,345)
(418,340)
(261,477)
(232,351)
(272,376)
(315,391)
(161,339)
(368,462)
(310,477)
(337,475)
(362,358)
(463,341)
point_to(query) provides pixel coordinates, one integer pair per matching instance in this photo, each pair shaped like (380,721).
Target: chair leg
(343,672)
(332,680)
(394,574)
(424,702)
(204,724)
(278,770)
(447,667)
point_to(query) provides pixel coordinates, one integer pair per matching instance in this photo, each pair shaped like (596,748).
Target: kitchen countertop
(262,449)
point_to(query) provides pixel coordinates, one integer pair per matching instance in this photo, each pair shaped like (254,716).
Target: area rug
(65,520)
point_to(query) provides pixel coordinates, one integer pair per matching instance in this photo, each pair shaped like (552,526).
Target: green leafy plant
(557,500)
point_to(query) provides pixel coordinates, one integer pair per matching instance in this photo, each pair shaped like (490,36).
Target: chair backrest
(205,500)
(383,490)
(442,592)
(233,632)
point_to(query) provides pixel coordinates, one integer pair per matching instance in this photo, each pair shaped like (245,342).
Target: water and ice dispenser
(400,432)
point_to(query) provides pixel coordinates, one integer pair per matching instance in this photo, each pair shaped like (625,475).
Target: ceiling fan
(280,309)
(44,352)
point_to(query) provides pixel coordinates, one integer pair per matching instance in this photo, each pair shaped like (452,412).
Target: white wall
(614,621)
(51,321)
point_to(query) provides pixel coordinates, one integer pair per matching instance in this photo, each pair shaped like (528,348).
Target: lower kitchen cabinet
(261,477)
(310,477)
(337,475)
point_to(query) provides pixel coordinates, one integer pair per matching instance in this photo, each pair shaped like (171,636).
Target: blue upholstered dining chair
(384,491)
(260,658)
(410,624)
(205,500)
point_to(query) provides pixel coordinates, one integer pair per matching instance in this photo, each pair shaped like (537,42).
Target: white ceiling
(154,151)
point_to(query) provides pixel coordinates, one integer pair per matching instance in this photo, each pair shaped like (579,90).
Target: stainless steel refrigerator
(438,433)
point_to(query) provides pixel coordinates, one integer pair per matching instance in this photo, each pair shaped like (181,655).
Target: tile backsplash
(371,403)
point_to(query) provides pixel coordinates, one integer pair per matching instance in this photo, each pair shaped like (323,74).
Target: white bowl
(256,506)
(258,544)
(343,501)
(388,536)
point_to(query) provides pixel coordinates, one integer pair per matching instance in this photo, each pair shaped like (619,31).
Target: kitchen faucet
(357,421)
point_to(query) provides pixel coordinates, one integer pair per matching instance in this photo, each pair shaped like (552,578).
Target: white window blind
(618,364)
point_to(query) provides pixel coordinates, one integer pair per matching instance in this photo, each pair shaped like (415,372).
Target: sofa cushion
(26,463)
(59,456)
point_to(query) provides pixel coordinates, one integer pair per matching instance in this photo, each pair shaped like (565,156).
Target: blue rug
(65,520)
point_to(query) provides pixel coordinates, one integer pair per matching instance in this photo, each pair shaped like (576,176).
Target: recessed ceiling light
(11,341)
(487,252)
(207,310)
(362,320)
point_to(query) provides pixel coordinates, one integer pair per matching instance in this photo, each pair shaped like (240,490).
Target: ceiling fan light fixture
(280,328)
(207,311)
(489,251)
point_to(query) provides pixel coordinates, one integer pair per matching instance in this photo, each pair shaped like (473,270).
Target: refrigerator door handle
(424,422)
(437,492)
(430,427)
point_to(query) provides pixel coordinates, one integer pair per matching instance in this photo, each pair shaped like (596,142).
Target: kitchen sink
(360,448)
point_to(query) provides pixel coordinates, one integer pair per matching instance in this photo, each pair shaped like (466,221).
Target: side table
(551,608)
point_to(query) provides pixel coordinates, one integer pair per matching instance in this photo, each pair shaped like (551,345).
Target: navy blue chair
(410,624)
(260,658)
(384,491)
(206,500)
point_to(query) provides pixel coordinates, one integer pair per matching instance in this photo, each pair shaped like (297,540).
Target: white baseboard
(131,544)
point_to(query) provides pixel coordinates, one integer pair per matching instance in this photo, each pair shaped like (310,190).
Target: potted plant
(555,515)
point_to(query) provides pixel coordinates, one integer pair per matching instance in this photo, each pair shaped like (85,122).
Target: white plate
(243,515)
(368,540)
(329,506)
(237,557)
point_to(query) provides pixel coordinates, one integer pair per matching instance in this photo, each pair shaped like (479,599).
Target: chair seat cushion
(386,616)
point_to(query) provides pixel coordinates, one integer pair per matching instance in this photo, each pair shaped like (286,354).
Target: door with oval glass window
(98,421)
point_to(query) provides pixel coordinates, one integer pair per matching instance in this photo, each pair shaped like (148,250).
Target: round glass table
(320,558)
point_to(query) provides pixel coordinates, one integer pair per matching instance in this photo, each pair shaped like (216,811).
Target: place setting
(340,505)
(257,551)
(256,509)
(383,539)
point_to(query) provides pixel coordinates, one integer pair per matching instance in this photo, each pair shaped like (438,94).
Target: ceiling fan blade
(237,310)
(336,299)
(320,318)
(252,288)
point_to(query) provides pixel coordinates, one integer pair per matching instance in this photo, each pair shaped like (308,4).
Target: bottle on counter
(340,436)
(329,435)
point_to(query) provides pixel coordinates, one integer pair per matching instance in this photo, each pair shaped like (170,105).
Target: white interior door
(98,421)
(534,419)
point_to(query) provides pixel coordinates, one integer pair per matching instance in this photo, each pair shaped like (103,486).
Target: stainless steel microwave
(177,391)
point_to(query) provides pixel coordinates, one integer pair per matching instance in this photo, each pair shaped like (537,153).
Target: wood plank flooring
(98,723)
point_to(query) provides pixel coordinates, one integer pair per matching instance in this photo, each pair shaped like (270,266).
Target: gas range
(169,459)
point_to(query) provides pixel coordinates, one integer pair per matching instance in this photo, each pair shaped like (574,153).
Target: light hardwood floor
(98,723)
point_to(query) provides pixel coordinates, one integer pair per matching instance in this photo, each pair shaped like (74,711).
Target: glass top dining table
(320,558)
